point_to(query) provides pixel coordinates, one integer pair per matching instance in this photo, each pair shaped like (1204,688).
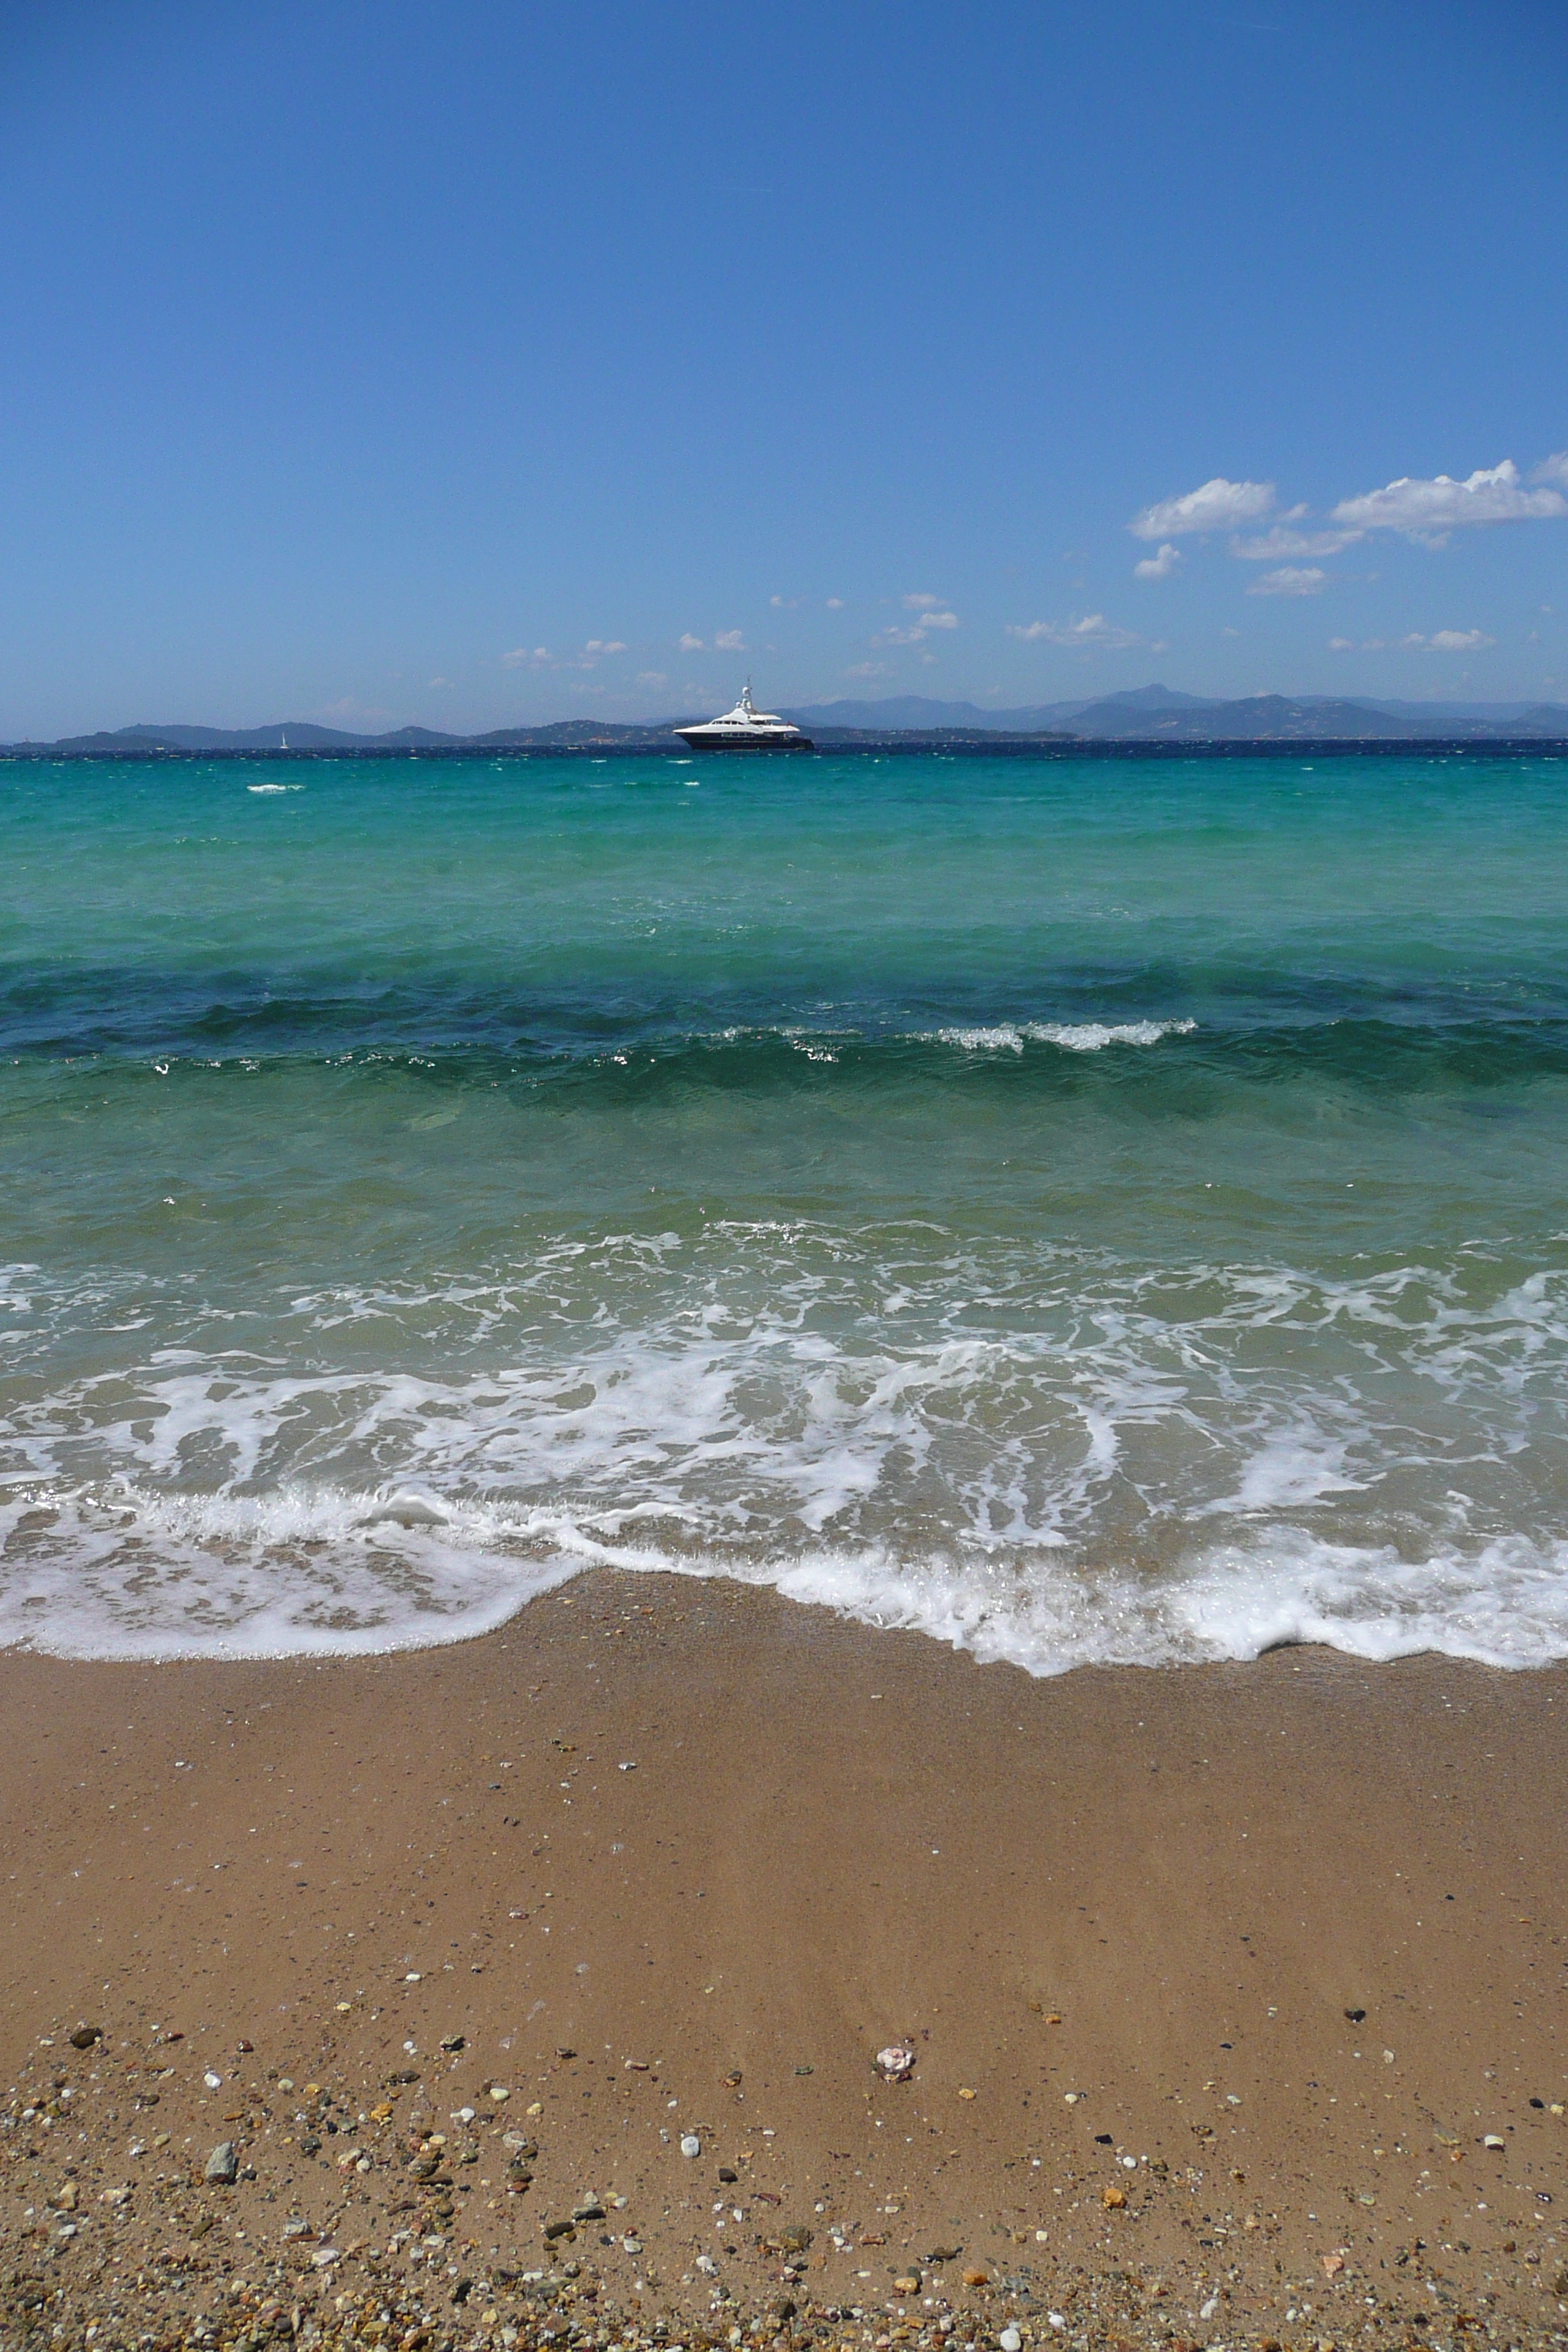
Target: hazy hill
(916,714)
(1262,718)
(1140,714)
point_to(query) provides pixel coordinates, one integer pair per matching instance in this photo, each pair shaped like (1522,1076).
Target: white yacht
(746,729)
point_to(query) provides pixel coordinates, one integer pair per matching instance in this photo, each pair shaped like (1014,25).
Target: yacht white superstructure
(746,729)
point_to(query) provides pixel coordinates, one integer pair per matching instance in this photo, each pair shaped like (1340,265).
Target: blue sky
(480,363)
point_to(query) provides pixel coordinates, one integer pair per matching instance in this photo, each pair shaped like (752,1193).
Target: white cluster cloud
(1290,580)
(1218,504)
(691,645)
(934,613)
(728,641)
(520,654)
(1093,629)
(1425,510)
(1429,509)
(1160,564)
(597,645)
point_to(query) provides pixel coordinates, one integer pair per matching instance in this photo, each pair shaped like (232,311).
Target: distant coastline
(1142,719)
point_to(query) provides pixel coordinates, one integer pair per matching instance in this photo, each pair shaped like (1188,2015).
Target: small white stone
(213,2082)
(690,2144)
(1010,2340)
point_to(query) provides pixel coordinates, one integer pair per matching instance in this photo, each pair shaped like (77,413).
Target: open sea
(1087,1211)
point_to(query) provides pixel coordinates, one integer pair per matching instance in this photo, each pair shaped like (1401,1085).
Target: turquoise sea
(1102,1210)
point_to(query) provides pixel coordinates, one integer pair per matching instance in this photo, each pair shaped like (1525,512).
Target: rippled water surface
(1088,1212)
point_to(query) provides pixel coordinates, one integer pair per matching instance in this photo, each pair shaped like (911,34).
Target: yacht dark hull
(698,742)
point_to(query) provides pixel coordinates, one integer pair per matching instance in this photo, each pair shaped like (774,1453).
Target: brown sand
(1292,1935)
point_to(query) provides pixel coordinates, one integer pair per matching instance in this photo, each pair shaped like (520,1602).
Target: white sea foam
(1073,1037)
(1040,1454)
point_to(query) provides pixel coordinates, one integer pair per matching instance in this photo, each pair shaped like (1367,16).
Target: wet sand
(1218,1981)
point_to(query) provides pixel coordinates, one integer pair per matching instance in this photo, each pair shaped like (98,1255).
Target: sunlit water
(1088,1211)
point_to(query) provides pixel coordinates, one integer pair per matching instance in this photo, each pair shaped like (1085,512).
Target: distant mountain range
(1165,714)
(1159,714)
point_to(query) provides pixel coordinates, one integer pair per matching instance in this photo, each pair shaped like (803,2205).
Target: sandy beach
(1236,1995)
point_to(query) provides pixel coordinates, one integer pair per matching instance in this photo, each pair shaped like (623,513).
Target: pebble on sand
(223,2164)
(690,2144)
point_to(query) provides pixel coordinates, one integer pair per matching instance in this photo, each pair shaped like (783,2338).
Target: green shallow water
(1087,1211)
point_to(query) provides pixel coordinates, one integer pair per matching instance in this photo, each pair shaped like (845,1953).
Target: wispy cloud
(440,681)
(1341,646)
(728,641)
(1430,510)
(835,604)
(1290,580)
(1270,546)
(923,604)
(596,647)
(1159,565)
(691,645)
(652,677)
(868,669)
(1553,469)
(1448,641)
(1093,629)
(522,654)
(1219,505)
